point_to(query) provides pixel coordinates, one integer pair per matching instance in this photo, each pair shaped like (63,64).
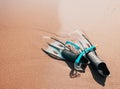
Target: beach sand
(25,27)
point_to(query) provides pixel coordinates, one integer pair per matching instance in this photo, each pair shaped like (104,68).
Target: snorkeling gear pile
(81,54)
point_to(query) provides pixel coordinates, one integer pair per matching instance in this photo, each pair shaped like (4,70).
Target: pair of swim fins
(86,54)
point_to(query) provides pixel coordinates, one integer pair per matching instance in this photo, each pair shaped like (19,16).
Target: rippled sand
(25,27)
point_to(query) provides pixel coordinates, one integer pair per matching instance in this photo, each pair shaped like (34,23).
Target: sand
(25,27)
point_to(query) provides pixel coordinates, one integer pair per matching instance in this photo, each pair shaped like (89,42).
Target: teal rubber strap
(76,46)
(83,53)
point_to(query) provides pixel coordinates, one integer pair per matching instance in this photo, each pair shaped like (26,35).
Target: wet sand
(24,24)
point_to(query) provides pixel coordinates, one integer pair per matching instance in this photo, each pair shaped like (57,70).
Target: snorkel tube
(94,60)
(89,54)
(99,65)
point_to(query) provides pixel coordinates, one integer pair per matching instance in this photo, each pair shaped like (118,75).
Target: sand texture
(25,28)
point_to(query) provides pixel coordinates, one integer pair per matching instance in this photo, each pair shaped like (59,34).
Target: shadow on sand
(74,73)
(98,78)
